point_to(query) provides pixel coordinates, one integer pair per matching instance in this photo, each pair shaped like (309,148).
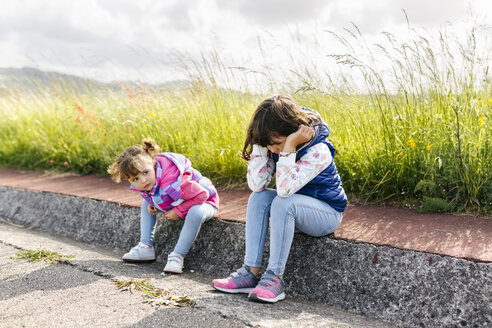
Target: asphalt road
(83,293)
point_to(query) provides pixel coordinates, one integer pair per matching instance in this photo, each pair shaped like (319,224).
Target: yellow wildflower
(489,102)
(480,121)
(151,114)
(412,143)
(368,139)
(428,147)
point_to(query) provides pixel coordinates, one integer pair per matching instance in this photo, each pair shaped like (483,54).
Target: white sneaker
(174,263)
(140,253)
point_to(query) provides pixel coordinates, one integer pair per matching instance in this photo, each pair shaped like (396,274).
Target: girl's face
(277,144)
(145,180)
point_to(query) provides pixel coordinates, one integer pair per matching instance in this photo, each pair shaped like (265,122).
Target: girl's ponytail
(129,163)
(150,146)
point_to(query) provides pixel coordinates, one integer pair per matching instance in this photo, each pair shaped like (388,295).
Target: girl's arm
(193,194)
(292,175)
(260,169)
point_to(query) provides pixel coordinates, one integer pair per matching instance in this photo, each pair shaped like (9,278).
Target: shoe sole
(234,291)
(253,297)
(138,261)
(175,272)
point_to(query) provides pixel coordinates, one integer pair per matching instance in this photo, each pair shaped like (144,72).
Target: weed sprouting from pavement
(43,255)
(154,295)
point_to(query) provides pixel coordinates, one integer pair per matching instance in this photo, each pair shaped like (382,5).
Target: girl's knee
(281,210)
(256,196)
(259,197)
(195,214)
(282,204)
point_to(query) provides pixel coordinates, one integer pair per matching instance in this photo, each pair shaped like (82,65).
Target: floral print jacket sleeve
(292,175)
(260,168)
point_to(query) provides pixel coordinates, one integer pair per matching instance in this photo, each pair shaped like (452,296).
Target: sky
(152,40)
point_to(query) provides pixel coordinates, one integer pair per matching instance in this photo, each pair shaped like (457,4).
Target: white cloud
(275,12)
(378,15)
(124,39)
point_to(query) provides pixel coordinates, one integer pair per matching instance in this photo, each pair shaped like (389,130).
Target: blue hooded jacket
(327,185)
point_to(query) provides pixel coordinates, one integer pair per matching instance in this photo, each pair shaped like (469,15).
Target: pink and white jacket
(178,186)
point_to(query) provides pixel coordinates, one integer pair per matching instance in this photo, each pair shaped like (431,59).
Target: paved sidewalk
(83,293)
(461,236)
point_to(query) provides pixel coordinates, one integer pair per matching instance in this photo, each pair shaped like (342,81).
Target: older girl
(289,141)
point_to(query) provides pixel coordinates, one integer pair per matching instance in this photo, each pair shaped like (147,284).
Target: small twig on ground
(154,295)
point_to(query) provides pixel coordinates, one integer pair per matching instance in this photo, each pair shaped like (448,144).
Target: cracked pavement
(83,293)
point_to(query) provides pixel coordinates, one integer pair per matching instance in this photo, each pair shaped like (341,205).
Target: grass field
(419,136)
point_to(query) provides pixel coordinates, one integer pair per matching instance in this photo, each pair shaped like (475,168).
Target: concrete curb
(413,289)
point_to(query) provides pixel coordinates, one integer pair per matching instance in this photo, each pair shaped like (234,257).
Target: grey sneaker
(140,253)
(270,289)
(174,263)
(241,281)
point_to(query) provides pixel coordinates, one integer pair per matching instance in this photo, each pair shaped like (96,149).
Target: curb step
(409,288)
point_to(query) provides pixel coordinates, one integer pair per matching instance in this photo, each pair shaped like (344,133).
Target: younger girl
(167,183)
(291,141)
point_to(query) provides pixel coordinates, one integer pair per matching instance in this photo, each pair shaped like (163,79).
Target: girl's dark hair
(277,116)
(130,162)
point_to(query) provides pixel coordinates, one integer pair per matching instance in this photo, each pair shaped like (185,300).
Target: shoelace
(140,245)
(174,259)
(136,248)
(273,279)
(236,274)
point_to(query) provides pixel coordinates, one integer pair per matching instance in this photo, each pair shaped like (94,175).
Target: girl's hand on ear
(151,209)
(171,215)
(302,135)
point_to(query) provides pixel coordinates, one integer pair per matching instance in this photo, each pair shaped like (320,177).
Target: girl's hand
(302,135)
(171,215)
(151,209)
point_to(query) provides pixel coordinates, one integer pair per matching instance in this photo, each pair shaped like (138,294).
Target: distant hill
(32,80)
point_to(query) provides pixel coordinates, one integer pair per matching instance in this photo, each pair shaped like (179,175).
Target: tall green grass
(85,133)
(410,118)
